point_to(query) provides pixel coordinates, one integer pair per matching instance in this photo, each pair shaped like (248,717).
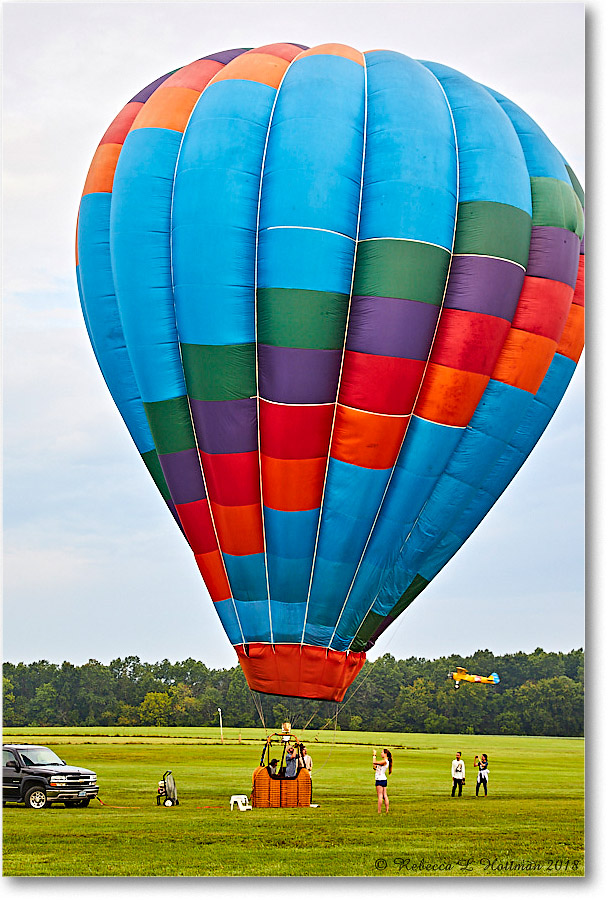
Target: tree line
(540,693)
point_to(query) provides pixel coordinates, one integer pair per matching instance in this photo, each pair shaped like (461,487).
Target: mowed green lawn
(531,824)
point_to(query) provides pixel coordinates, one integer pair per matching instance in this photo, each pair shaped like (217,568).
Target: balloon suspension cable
(339,709)
(292,717)
(360,682)
(309,721)
(258,705)
(363,677)
(333,719)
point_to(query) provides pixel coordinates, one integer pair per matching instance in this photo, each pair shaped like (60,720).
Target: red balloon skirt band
(299,670)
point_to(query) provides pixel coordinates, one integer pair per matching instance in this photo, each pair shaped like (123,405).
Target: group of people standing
(459,772)
(384,767)
(294,761)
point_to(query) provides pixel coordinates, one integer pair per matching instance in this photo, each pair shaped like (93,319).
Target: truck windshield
(40,756)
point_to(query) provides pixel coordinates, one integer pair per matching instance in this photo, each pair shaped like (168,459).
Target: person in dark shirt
(291,764)
(482,773)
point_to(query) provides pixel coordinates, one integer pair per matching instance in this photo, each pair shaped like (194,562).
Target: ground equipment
(167,791)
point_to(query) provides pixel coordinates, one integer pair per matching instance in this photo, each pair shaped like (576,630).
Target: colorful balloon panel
(337,297)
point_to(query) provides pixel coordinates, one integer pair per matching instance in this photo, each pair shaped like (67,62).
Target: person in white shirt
(307,759)
(458,773)
(382,769)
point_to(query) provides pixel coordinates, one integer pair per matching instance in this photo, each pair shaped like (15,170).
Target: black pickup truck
(36,776)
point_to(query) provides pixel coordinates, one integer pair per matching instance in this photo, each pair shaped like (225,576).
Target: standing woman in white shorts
(382,769)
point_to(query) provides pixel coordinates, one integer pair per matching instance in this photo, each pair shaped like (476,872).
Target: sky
(94,566)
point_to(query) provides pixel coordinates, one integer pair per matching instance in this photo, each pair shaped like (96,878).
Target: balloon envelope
(336,297)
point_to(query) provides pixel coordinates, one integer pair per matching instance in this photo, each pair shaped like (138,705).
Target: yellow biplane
(462,675)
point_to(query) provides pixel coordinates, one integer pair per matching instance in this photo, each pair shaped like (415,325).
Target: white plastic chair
(241,801)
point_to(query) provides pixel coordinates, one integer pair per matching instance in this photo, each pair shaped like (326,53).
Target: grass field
(531,824)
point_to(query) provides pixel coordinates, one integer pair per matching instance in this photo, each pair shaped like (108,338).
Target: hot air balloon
(337,297)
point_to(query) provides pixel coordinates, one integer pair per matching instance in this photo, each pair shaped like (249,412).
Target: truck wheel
(35,798)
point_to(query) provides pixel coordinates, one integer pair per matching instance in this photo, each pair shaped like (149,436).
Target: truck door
(11,778)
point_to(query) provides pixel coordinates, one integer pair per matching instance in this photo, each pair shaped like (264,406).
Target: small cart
(167,791)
